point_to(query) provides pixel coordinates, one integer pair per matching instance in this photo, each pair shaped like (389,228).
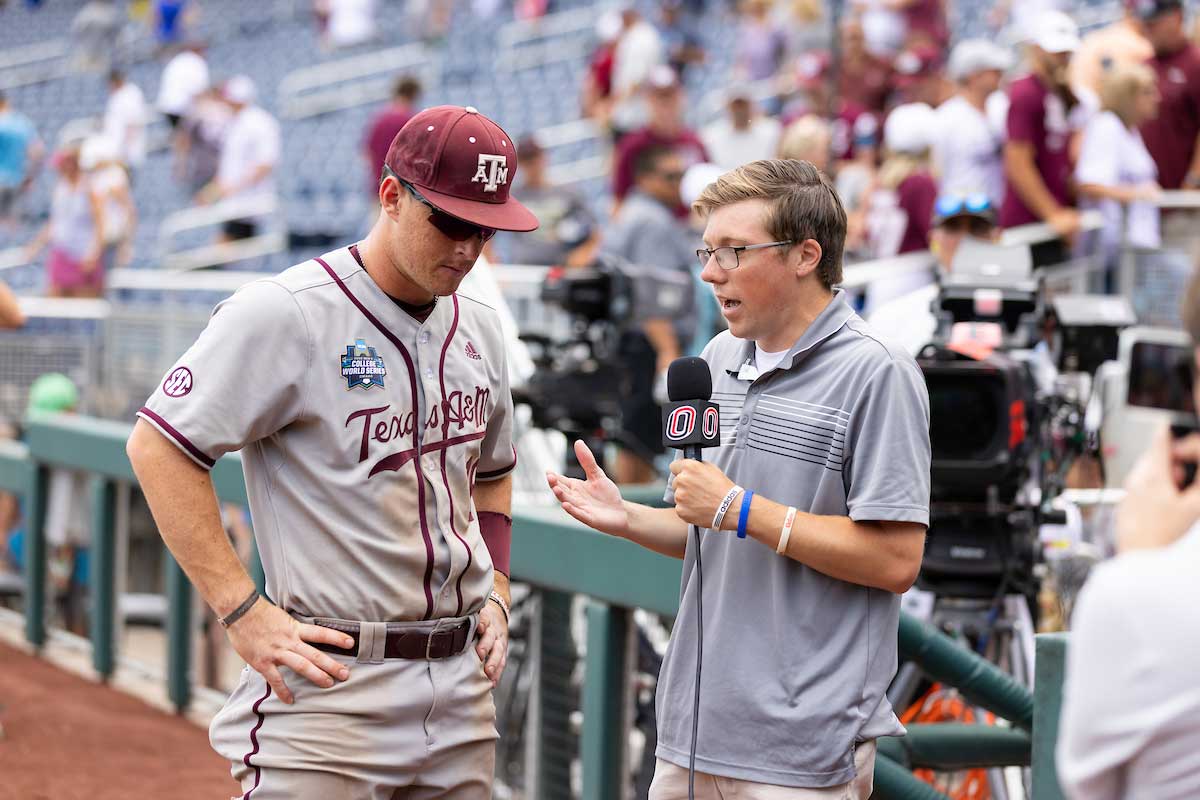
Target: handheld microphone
(690,421)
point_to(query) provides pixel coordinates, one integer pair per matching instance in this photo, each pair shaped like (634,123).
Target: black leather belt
(441,643)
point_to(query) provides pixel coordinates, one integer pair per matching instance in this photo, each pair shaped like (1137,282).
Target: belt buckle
(429,645)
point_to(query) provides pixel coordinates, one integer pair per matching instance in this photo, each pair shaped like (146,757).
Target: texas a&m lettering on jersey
(463,414)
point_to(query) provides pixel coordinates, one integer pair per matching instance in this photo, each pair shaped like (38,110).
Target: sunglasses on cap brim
(451,227)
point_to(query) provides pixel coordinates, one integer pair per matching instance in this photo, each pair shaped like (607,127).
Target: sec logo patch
(178,383)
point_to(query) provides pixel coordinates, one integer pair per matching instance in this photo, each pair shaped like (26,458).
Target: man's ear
(391,195)
(805,257)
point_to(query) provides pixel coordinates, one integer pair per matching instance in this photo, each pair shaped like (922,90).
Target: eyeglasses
(729,257)
(950,204)
(451,227)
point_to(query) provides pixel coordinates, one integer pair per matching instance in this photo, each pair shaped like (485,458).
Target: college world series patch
(362,366)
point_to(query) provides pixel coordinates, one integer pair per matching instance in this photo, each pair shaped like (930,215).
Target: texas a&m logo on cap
(492,171)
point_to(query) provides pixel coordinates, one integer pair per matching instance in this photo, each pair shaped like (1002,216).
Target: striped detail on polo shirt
(803,431)
(731,411)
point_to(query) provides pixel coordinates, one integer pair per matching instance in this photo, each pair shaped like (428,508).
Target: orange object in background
(945,704)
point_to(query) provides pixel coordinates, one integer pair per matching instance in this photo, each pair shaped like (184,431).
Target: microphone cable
(695,530)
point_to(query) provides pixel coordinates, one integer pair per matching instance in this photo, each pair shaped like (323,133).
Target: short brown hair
(801,204)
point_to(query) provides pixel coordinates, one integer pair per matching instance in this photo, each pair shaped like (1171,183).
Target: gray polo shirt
(796,663)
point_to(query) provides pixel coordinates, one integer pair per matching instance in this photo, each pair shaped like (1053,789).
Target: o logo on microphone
(681,422)
(709,424)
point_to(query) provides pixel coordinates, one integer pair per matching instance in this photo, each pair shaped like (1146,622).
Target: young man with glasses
(648,235)
(823,471)
(908,320)
(372,406)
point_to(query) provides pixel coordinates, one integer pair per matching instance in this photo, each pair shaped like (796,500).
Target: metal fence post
(1049,671)
(556,700)
(35,558)
(103,578)
(179,635)
(602,744)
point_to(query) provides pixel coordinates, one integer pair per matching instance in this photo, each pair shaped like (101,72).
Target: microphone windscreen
(688,378)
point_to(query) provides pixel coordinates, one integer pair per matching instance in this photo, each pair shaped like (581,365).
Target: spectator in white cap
(967,147)
(249,155)
(99,160)
(744,134)
(907,138)
(901,206)
(1037,159)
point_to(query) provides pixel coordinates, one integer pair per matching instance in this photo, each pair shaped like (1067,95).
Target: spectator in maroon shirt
(926,21)
(1173,135)
(865,79)
(1037,162)
(386,124)
(665,127)
(919,78)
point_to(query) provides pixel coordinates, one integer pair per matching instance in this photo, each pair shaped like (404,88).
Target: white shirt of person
(1115,156)
(638,51)
(967,151)
(110,182)
(351,21)
(1131,708)
(729,147)
(252,141)
(184,77)
(907,320)
(125,123)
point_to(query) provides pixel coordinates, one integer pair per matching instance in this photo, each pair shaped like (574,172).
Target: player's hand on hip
(596,501)
(268,638)
(699,489)
(491,643)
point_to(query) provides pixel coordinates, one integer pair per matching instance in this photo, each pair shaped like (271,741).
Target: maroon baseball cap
(463,163)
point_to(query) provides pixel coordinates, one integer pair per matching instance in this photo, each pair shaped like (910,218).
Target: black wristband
(240,611)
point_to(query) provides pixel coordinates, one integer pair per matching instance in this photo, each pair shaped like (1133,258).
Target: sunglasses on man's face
(451,227)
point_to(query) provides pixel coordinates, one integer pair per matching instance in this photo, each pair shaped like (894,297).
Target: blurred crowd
(929,140)
(910,123)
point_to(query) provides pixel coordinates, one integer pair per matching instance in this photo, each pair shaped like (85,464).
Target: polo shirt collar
(828,322)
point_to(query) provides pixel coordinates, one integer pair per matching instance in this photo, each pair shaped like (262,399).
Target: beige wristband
(786,532)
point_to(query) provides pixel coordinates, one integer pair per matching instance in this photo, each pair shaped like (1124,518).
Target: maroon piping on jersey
(412,382)
(184,442)
(395,461)
(254,743)
(446,436)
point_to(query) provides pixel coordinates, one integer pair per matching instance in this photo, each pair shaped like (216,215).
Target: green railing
(558,557)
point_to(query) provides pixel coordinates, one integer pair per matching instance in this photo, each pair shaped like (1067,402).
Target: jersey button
(424,337)
(429,372)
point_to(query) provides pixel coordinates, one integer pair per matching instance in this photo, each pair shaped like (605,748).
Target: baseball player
(372,406)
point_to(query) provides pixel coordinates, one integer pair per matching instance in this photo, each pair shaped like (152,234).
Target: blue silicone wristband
(744,517)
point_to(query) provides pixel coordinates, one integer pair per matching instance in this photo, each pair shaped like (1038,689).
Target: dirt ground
(65,738)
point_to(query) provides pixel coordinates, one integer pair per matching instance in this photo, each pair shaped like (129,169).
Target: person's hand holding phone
(1160,505)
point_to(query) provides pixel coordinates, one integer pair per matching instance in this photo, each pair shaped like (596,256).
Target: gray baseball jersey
(362,433)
